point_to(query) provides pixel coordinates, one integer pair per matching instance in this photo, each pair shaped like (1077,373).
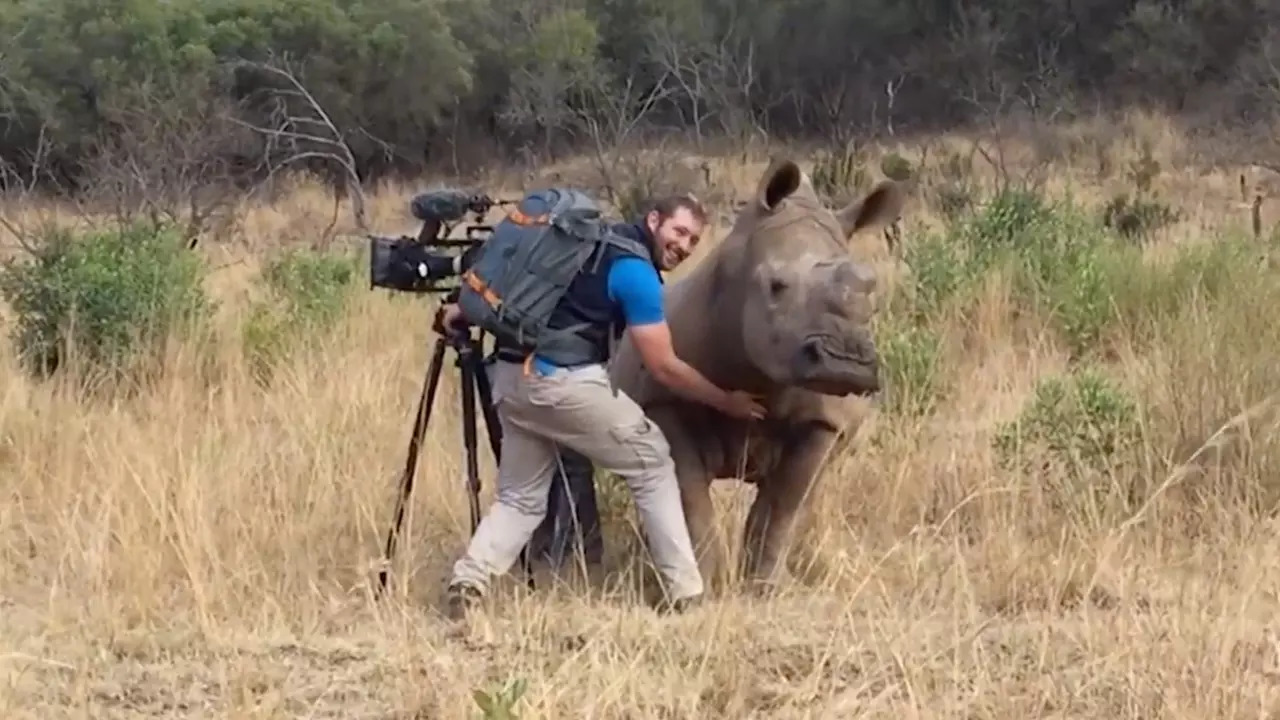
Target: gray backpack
(522,271)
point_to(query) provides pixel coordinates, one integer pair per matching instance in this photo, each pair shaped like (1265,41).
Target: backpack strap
(578,224)
(631,247)
(568,339)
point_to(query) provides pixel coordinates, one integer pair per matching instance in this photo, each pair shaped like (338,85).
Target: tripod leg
(469,438)
(491,422)
(425,403)
(493,425)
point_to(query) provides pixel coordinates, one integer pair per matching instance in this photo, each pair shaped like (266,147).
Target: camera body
(405,264)
(421,265)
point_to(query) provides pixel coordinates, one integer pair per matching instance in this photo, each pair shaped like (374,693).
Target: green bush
(953,200)
(1014,220)
(1080,301)
(307,293)
(839,174)
(954,191)
(1083,419)
(1072,435)
(939,270)
(1067,266)
(500,703)
(912,359)
(112,294)
(1015,227)
(1138,217)
(314,287)
(1150,298)
(896,167)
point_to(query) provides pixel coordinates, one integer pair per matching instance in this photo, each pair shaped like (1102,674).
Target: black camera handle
(435,232)
(475,380)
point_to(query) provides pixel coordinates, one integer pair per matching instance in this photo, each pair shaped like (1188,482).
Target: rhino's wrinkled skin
(779,308)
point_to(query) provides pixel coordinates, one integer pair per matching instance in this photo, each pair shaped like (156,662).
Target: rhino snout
(838,368)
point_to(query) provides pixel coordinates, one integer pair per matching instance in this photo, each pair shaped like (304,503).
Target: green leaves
(388,67)
(500,704)
(408,71)
(113,295)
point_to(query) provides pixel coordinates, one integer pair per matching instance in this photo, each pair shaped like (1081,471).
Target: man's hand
(449,320)
(743,406)
(653,342)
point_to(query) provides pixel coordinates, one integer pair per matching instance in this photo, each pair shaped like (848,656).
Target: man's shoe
(680,605)
(460,599)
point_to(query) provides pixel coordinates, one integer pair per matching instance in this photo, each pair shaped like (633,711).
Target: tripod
(474,379)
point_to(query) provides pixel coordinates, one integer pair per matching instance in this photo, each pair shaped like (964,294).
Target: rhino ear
(778,182)
(881,206)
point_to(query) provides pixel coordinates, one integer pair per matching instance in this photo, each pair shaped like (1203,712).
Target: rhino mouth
(832,366)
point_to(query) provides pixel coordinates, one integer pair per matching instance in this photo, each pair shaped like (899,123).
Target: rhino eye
(777,287)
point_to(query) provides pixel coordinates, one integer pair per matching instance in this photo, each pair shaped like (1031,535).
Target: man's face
(674,238)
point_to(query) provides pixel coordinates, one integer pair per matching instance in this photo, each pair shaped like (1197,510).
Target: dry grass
(207,548)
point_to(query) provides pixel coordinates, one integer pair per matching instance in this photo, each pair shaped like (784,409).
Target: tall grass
(1063,508)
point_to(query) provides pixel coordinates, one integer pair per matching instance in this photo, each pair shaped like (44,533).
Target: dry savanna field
(1062,508)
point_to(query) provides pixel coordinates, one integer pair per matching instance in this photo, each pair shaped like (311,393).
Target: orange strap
(519,218)
(478,285)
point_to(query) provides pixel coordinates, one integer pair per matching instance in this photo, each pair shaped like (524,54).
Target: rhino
(780,309)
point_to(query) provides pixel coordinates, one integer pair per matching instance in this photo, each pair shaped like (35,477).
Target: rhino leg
(780,498)
(695,492)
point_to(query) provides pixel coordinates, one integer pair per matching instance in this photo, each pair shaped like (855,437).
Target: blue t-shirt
(633,284)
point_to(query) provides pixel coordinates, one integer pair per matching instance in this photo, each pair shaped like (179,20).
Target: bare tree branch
(610,113)
(17,192)
(288,139)
(161,154)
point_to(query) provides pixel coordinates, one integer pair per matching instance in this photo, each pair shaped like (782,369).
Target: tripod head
(423,264)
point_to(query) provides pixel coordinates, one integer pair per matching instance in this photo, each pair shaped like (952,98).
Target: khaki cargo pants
(576,408)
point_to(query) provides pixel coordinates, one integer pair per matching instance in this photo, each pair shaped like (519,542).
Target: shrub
(1014,226)
(314,287)
(939,269)
(911,357)
(1072,436)
(896,167)
(307,293)
(839,174)
(1083,419)
(1150,297)
(953,200)
(113,294)
(1064,265)
(1138,217)
(1073,283)
(1014,220)
(1141,215)
(955,190)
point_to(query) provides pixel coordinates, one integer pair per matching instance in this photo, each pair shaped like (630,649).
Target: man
(576,407)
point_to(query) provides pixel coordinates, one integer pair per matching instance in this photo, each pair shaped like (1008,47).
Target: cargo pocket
(641,444)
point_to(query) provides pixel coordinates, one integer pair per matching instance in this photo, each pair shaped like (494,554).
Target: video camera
(419,265)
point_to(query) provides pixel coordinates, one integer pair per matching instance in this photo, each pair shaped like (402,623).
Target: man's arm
(634,284)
